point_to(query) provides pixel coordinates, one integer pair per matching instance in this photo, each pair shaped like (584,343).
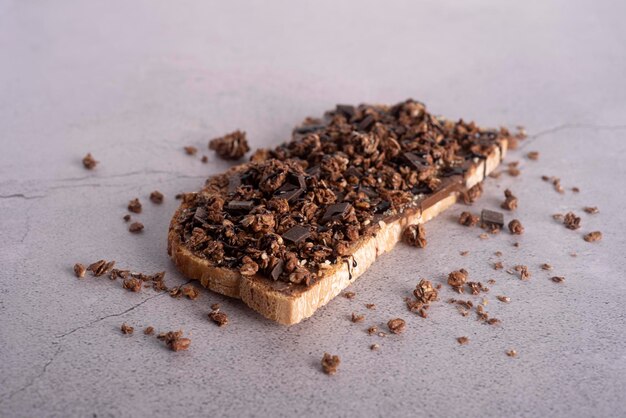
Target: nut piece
(397,325)
(467,219)
(571,221)
(220,318)
(174,340)
(156,197)
(330,363)
(516,228)
(127,329)
(510,201)
(89,162)
(79,270)
(134,206)
(591,209)
(463,340)
(457,279)
(415,235)
(135,227)
(232,146)
(148,330)
(593,236)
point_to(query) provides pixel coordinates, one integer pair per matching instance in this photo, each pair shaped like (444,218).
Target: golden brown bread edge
(289,304)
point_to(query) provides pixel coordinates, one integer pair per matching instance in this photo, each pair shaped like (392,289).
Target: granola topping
(593,236)
(232,146)
(330,363)
(415,235)
(396,326)
(295,211)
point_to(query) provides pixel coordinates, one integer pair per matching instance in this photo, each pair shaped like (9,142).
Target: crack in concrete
(21,196)
(532,138)
(95,321)
(35,378)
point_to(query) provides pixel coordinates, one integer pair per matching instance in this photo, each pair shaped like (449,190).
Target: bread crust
(288,303)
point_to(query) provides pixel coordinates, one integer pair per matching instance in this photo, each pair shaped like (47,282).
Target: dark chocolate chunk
(452,171)
(240,205)
(277,270)
(335,212)
(200,215)
(313,171)
(307,129)
(492,218)
(368,191)
(418,162)
(288,192)
(296,234)
(352,172)
(382,206)
(346,110)
(366,123)
(233,183)
(421,189)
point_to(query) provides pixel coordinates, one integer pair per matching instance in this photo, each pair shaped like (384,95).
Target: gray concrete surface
(133,82)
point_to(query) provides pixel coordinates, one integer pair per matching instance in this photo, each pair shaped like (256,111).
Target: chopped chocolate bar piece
(232,146)
(277,270)
(593,236)
(156,197)
(347,110)
(336,212)
(240,205)
(134,206)
(516,227)
(297,234)
(330,363)
(136,227)
(89,162)
(396,326)
(490,218)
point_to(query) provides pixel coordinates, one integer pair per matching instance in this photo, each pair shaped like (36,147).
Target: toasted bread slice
(289,303)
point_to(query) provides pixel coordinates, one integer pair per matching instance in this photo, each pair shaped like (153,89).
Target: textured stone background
(133,82)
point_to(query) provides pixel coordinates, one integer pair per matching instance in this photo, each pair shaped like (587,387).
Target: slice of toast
(279,298)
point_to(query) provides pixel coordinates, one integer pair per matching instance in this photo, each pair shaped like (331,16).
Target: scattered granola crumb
(127,329)
(204,159)
(135,227)
(513,171)
(545,178)
(370,305)
(100,267)
(174,340)
(523,271)
(232,146)
(516,244)
(330,363)
(374,347)
(134,206)
(464,253)
(498,253)
(592,210)
(179,196)
(131,283)
(156,197)
(556,182)
(372,330)
(510,201)
(504,299)
(516,228)
(463,340)
(79,270)
(483,236)
(511,353)
(126,217)
(215,306)
(491,282)
(190,150)
(357,318)
(575,190)
(190,291)
(558,216)
(396,326)
(220,318)
(572,254)
(349,295)
(467,219)
(593,236)
(472,194)
(498,265)
(89,162)
(457,279)
(558,279)
(533,155)
(415,235)
(571,221)
(546,266)
(148,330)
